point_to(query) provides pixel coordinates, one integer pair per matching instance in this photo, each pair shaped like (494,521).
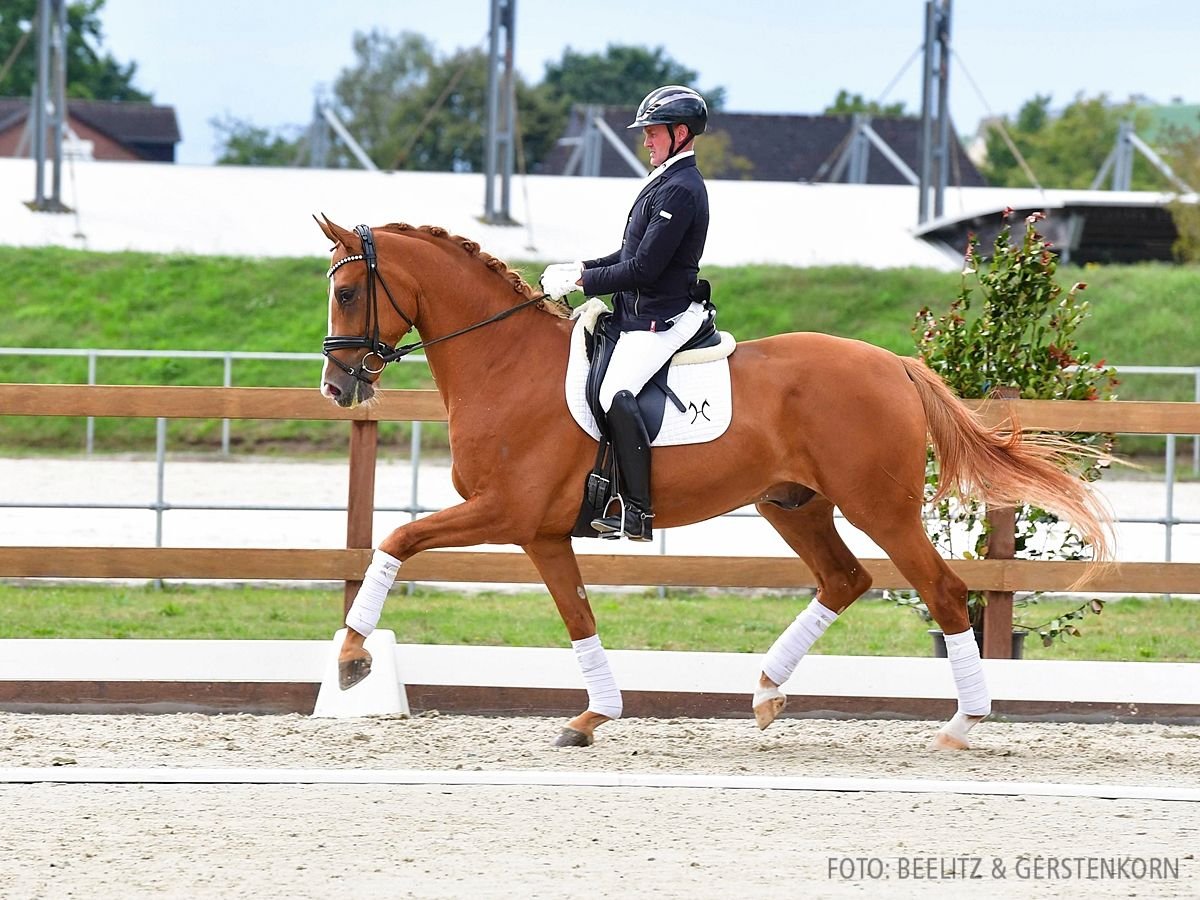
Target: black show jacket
(652,275)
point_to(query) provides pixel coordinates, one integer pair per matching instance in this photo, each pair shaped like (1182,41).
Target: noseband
(370,339)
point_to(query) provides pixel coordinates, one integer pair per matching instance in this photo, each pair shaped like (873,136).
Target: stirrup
(629,521)
(610,526)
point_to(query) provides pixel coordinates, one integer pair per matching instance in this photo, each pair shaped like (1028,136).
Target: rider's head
(671,117)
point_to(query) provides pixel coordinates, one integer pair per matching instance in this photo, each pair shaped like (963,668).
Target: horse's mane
(499,266)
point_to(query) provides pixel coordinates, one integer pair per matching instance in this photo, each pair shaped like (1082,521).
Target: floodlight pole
(49,104)
(501,114)
(935,149)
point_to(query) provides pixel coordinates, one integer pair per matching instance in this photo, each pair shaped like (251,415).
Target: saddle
(601,485)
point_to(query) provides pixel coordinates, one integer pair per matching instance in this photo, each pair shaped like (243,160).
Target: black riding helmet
(673,104)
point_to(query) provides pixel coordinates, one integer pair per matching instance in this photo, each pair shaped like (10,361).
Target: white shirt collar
(674,159)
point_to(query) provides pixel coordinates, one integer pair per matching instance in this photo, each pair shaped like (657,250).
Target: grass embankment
(1131,629)
(1142,315)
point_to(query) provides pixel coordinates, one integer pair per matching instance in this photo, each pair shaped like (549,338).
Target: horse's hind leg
(841,579)
(904,540)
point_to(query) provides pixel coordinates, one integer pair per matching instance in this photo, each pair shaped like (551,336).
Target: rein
(370,339)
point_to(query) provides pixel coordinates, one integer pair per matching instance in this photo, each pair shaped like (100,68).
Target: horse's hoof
(573,737)
(943,741)
(352,671)
(768,704)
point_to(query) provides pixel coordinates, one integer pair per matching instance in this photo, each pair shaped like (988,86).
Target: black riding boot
(631,444)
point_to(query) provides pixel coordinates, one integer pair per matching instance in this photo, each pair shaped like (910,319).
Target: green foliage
(620,76)
(91,74)
(411,109)
(847,104)
(244,144)
(1023,333)
(1181,150)
(715,156)
(1068,150)
(1021,338)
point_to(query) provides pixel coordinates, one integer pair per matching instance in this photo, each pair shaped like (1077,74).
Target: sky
(263,62)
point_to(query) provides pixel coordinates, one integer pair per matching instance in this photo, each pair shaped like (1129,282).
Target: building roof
(1171,119)
(135,125)
(778,147)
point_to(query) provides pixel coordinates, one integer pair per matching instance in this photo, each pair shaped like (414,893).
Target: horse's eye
(345,295)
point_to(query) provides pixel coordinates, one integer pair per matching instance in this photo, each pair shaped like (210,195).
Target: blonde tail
(1001,466)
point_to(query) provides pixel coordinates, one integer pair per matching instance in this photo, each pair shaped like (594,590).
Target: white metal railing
(160,505)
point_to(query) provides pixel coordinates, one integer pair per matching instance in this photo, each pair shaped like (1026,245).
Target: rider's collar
(674,159)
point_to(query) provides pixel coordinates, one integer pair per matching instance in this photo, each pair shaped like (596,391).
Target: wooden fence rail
(1125,417)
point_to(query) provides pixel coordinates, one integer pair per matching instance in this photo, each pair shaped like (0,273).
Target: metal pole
(41,93)
(943,151)
(927,115)
(501,114)
(510,113)
(1169,477)
(1196,437)
(493,114)
(58,120)
(91,420)
(160,463)
(228,382)
(414,456)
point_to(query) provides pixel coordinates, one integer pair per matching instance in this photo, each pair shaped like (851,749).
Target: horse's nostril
(333,390)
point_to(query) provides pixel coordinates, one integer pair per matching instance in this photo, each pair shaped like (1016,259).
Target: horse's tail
(1001,466)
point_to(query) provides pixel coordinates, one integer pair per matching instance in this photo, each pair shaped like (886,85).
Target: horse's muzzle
(349,392)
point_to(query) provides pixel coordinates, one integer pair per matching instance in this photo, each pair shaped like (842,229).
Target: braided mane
(519,285)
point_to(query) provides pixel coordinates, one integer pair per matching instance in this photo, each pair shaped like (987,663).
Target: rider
(653,278)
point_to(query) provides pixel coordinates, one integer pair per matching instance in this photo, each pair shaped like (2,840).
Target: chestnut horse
(819,422)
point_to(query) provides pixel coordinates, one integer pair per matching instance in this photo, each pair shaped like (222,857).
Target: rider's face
(658,141)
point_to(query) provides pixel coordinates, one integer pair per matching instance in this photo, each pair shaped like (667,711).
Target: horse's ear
(335,233)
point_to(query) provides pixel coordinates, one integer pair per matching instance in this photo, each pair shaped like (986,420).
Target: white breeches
(639,354)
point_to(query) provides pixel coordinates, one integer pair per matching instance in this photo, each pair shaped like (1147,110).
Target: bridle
(370,340)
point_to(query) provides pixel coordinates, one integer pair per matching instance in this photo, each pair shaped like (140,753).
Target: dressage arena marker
(536,778)
(381,693)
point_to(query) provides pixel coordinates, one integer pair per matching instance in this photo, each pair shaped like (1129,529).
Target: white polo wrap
(368,602)
(604,697)
(789,648)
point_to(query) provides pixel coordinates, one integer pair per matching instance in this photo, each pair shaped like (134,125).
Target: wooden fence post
(360,505)
(998,614)
(1001,544)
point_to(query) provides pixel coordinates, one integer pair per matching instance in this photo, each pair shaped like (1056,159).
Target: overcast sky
(263,61)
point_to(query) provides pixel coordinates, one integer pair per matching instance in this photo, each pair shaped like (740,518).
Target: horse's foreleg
(555,561)
(841,580)
(472,522)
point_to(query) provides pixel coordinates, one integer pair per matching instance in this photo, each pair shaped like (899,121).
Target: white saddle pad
(699,378)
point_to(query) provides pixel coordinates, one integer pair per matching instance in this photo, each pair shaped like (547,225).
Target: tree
(1182,153)
(411,109)
(1020,335)
(1065,151)
(847,104)
(620,76)
(91,74)
(244,144)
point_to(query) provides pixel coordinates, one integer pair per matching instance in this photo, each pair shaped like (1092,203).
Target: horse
(820,422)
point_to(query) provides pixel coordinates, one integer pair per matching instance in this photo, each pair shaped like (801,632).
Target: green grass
(1129,629)
(1142,315)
